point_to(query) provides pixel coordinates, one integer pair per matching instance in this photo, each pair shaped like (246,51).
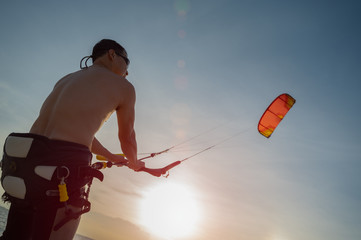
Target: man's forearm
(99,149)
(129,147)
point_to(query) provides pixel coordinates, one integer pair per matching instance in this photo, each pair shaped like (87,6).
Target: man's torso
(79,105)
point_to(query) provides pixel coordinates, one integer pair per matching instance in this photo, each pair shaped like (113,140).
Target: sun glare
(170,211)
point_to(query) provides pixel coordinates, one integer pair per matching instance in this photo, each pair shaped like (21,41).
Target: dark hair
(104,45)
(101,48)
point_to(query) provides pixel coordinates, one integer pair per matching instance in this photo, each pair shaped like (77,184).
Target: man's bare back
(80,103)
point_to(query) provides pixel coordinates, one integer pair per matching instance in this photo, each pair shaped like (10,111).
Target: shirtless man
(62,137)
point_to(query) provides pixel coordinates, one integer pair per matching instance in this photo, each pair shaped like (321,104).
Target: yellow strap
(63,193)
(99,157)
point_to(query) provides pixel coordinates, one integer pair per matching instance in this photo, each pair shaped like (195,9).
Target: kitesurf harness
(82,200)
(40,171)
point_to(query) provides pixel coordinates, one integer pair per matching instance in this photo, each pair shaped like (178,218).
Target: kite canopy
(274,114)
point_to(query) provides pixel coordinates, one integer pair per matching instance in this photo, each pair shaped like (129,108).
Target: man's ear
(111,54)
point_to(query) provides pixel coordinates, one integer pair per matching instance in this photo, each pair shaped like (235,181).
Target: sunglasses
(127,61)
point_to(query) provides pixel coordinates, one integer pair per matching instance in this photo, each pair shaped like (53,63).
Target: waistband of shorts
(53,141)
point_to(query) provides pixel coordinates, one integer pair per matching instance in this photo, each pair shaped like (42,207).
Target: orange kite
(274,114)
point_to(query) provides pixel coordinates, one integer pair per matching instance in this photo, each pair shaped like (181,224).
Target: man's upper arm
(126,113)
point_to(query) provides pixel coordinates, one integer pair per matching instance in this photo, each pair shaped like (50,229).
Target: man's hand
(136,166)
(116,158)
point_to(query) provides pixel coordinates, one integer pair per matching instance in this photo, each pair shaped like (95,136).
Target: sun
(170,211)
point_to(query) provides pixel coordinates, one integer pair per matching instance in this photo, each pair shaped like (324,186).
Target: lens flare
(182,33)
(181,63)
(182,7)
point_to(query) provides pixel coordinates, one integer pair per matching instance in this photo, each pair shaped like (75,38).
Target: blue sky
(197,65)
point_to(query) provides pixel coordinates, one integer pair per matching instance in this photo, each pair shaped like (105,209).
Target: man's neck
(102,64)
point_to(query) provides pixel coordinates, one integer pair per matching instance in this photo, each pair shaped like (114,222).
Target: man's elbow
(126,138)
